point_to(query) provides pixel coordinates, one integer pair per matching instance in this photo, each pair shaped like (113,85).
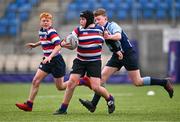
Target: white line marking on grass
(83,95)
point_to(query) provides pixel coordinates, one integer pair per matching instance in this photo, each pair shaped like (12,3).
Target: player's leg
(98,89)
(71,84)
(58,72)
(27,106)
(85,81)
(91,106)
(78,70)
(106,73)
(40,75)
(60,84)
(113,65)
(131,64)
(136,78)
(146,81)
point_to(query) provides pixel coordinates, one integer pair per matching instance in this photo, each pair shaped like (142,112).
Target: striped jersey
(90,41)
(49,39)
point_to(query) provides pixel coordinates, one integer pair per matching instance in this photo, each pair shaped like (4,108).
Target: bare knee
(60,87)
(95,88)
(71,85)
(137,82)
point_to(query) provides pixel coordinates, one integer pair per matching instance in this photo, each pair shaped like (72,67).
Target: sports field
(132,104)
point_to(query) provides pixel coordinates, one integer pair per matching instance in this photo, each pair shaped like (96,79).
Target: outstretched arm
(32,45)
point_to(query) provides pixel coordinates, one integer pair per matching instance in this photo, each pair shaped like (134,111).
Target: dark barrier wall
(174,61)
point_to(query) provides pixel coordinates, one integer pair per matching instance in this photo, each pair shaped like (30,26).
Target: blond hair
(45,15)
(99,12)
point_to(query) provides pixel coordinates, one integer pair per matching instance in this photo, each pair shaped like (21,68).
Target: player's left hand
(107,35)
(47,60)
(30,45)
(120,55)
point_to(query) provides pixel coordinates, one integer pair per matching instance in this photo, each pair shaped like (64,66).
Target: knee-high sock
(154,81)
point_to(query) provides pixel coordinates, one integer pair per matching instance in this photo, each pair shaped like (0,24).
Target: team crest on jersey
(43,37)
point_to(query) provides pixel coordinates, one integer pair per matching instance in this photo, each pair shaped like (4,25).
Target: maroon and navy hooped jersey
(90,41)
(49,39)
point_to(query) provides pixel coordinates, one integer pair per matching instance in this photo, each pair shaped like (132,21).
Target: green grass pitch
(132,104)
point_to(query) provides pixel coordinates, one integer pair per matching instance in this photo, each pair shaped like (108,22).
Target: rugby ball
(71,41)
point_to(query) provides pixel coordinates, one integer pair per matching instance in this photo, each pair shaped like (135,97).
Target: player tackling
(88,61)
(115,35)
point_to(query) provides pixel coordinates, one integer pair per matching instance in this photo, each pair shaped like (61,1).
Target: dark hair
(89,17)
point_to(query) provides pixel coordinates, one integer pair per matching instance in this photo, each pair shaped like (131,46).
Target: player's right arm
(114,32)
(33,45)
(116,36)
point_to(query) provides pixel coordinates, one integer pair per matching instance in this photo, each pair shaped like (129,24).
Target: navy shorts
(129,61)
(56,67)
(90,68)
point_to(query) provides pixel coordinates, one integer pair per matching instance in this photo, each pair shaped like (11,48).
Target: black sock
(155,81)
(95,99)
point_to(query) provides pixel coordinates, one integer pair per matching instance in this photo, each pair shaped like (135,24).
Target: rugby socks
(85,81)
(82,81)
(110,98)
(146,81)
(161,82)
(95,99)
(29,103)
(154,81)
(63,107)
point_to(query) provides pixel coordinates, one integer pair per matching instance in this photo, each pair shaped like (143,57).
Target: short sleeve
(54,37)
(114,28)
(75,32)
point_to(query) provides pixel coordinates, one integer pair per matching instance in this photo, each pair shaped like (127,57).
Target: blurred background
(153,26)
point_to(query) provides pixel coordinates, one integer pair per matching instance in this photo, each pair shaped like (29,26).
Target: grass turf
(132,104)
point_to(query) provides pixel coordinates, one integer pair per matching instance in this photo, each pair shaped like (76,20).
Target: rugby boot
(87,104)
(169,87)
(27,106)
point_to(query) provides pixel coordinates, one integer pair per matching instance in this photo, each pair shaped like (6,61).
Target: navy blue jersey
(123,44)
